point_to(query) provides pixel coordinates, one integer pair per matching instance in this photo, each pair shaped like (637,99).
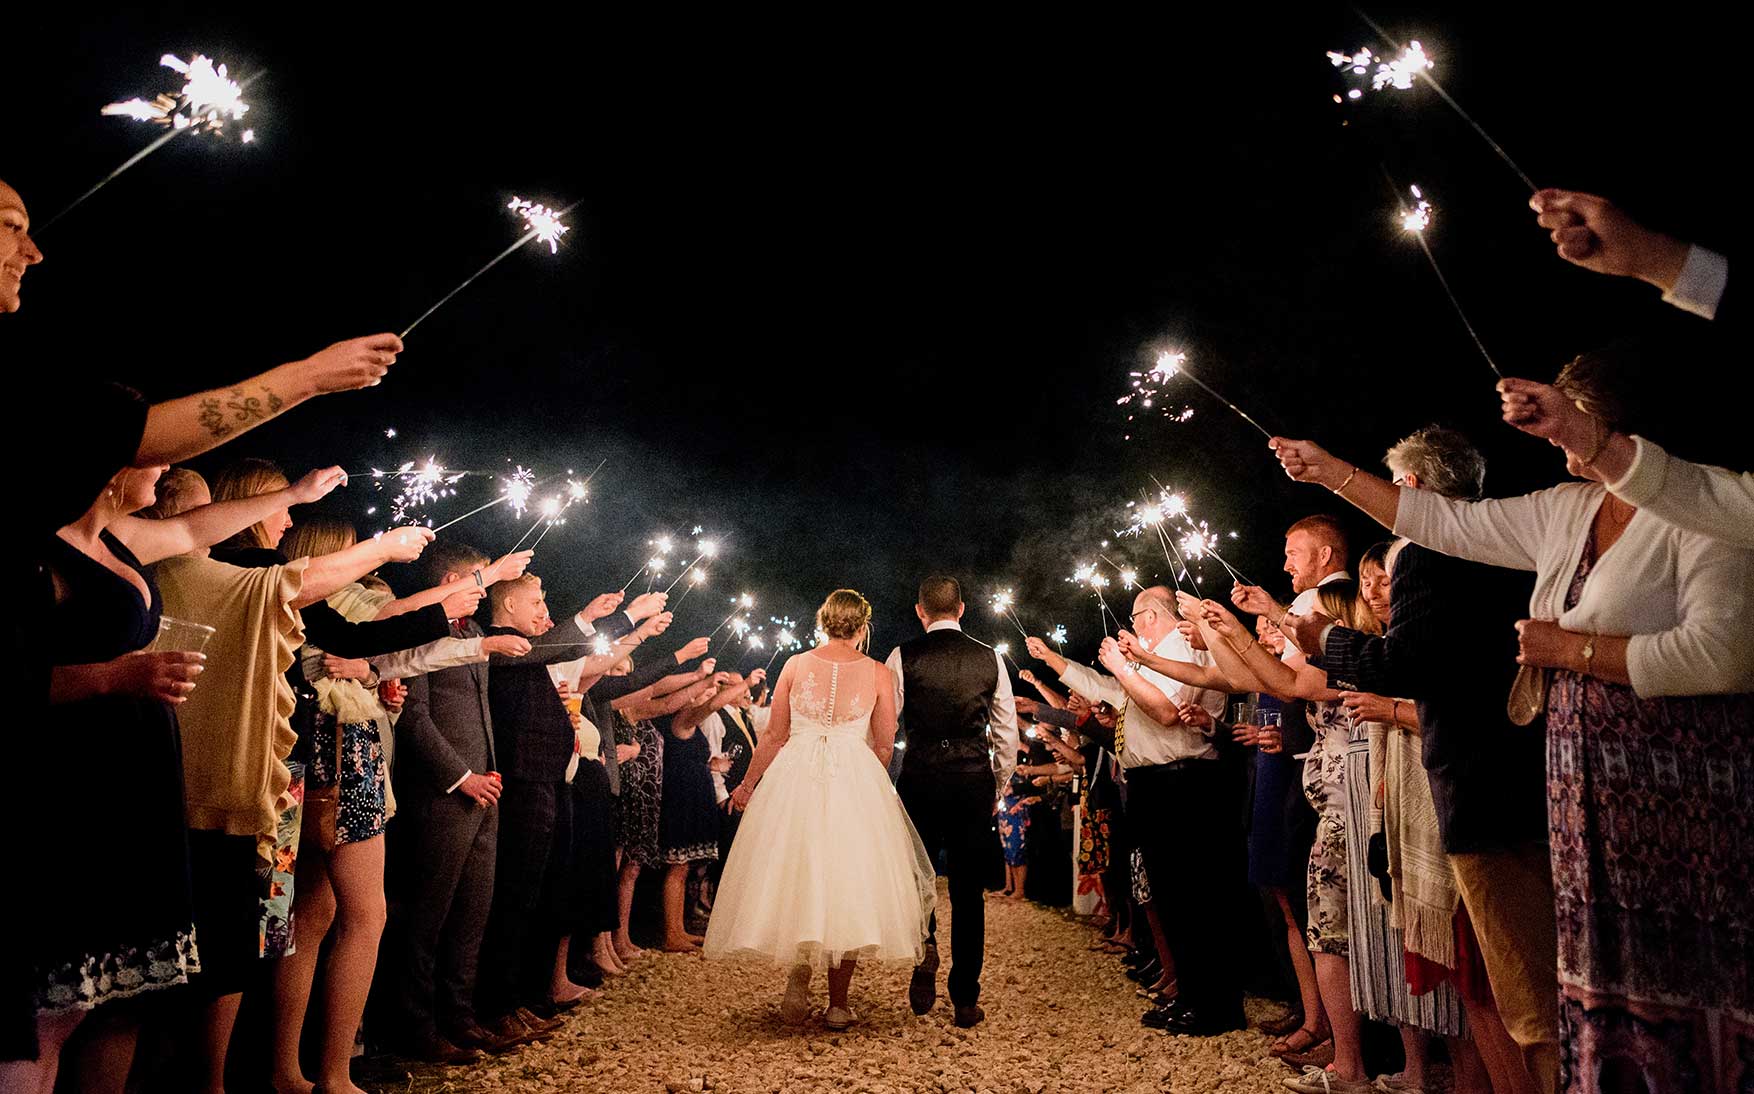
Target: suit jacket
(532,733)
(446,728)
(1451,647)
(738,730)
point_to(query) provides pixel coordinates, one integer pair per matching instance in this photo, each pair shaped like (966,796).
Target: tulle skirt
(826,864)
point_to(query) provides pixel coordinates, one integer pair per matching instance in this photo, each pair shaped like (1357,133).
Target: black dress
(112,858)
(688,820)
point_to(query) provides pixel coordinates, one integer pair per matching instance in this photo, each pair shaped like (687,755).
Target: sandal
(1301,1039)
(1279,1027)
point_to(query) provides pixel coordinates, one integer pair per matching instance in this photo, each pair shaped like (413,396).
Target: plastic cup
(181,636)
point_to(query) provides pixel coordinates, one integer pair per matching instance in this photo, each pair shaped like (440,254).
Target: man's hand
(462,603)
(506,567)
(1129,645)
(317,485)
(1594,233)
(166,676)
(718,765)
(404,544)
(1111,657)
(707,666)
(654,626)
(1307,461)
(391,693)
(1248,598)
(1306,631)
(646,605)
(506,645)
(1191,634)
(1368,707)
(1028,677)
(1195,716)
(1246,735)
(345,668)
(603,606)
(349,365)
(483,790)
(1027,707)
(695,648)
(757,678)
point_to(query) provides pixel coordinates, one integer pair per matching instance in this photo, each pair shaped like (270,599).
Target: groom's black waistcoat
(948,683)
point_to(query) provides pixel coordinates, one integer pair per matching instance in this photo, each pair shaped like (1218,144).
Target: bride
(826,870)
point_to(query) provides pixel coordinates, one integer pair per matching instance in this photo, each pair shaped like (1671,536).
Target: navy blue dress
(688,821)
(1273,861)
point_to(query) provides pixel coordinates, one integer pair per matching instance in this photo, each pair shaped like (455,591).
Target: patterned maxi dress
(1650,807)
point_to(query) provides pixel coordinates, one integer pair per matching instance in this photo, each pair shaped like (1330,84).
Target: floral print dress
(1324,784)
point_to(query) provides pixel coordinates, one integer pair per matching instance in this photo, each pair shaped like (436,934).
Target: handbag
(1528,695)
(322,805)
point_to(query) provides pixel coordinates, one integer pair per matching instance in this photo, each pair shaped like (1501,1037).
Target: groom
(954,698)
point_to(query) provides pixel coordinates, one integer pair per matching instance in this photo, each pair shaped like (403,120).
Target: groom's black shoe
(969,1016)
(922,989)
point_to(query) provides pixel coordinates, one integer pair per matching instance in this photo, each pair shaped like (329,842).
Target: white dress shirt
(713,728)
(1001,710)
(1700,285)
(1148,741)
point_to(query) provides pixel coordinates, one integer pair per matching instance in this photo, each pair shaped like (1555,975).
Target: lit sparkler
(708,549)
(1058,635)
(1003,603)
(206,101)
(1148,392)
(785,640)
(1412,63)
(696,578)
(544,225)
(1003,649)
(1414,220)
(739,604)
(1090,577)
(1170,365)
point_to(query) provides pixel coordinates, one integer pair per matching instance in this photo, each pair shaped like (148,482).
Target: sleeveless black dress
(110,856)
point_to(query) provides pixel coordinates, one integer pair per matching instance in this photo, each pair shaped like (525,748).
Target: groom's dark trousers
(953,812)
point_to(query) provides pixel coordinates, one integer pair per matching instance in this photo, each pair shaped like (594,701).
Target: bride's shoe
(839,1018)
(795,1007)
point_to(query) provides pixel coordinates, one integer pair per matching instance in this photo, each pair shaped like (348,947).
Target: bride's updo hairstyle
(843,615)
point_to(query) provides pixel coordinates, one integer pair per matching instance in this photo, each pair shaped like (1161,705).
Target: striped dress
(1378,961)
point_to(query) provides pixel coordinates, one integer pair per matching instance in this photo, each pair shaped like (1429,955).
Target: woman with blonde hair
(827,869)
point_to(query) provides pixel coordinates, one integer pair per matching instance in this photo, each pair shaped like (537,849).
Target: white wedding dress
(826,864)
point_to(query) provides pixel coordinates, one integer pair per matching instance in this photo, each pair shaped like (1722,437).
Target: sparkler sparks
(1148,391)
(516,490)
(1058,635)
(1414,220)
(543,221)
(1417,217)
(1003,603)
(208,99)
(1398,73)
(544,224)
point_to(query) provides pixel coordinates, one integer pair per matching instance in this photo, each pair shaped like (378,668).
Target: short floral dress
(362,809)
(1324,784)
(1013,821)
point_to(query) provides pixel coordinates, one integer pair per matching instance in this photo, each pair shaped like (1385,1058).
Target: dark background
(858,292)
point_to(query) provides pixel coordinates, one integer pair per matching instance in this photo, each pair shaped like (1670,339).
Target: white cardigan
(1683,598)
(1710,500)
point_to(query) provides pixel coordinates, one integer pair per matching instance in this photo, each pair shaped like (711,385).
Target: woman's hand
(1246,735)
(1111,657)
(317,485)
(1307,461)
(718,765)
(349,365)
(1191,634)
(506,645)
(696,648)
(627,752)
(1367,707)
(462,603)
(654,626)
(1270,739)
(404,544)
(1543,644)
(345,668)
(1541,411)
(740,797)
(1037,649)
(166,676)
(1218,617)
(506,567)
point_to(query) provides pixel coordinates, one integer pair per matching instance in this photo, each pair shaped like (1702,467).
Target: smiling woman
(17,249)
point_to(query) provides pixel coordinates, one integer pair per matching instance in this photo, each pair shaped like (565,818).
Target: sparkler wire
(496,260)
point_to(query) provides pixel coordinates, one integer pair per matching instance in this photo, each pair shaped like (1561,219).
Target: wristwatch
(1588,651)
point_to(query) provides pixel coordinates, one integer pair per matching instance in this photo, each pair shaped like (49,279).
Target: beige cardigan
(237,729)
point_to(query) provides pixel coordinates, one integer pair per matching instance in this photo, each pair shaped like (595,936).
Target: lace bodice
(836,696)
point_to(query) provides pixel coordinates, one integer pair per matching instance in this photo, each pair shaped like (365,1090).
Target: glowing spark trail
(708,549)
(547,227)
(739,604)
(208,97)
(1414,64)
(1002,604)
(515,490)
(1414,221)
(1169,365)
(1058,635)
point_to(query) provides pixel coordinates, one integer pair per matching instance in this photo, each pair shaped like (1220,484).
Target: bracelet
(1341,489)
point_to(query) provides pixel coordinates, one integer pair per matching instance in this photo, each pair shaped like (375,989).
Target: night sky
(857,292)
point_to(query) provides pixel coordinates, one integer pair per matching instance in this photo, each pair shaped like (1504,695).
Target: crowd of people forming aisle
(1516,824)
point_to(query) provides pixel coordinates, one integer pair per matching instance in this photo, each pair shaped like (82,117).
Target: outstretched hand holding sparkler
(1594,233)
(1306,461)
(545,225)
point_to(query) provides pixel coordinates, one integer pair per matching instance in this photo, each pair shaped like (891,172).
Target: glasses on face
(1133,617)
(1400,480)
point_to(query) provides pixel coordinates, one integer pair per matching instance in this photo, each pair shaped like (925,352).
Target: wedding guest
(688,821)
(1175,785)
(1013,824)
(1649,672)
(1594,233)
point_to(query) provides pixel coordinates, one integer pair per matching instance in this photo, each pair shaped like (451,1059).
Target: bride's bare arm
(779,728)
(883,717)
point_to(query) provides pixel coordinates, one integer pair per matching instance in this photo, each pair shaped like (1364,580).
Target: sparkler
(1170,365)
(1129,577)
(708,549)
(1176,505)
(1001,603)
(208,98)
(1058,635)
(784,641)
(1411,64)
(515,490)
(738,604)
(575,493)
(1414,220)
(661,545)
(696,578)
(1003,649)
(544,224)
(1088,575)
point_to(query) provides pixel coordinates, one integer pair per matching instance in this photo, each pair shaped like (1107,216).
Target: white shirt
(1712,501)
(1001,710)
(713,728)
(1700,285)
(1309,600)
(1148,741)
(1683,598)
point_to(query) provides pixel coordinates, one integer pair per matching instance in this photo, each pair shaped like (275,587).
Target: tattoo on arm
(240,408)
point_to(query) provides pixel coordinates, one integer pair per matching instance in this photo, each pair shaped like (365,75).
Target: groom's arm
(893,664)
(1002,718)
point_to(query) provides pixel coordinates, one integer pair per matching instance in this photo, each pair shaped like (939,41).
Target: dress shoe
(434,1049)
(513,1030)
(1146,974)
(969,1016)
(1196,1023)
(922,987)
(540,1025)
(475,1037)
(1161,1017)
(1132,959)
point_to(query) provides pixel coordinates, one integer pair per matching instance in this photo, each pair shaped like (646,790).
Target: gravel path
(1060,1020)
